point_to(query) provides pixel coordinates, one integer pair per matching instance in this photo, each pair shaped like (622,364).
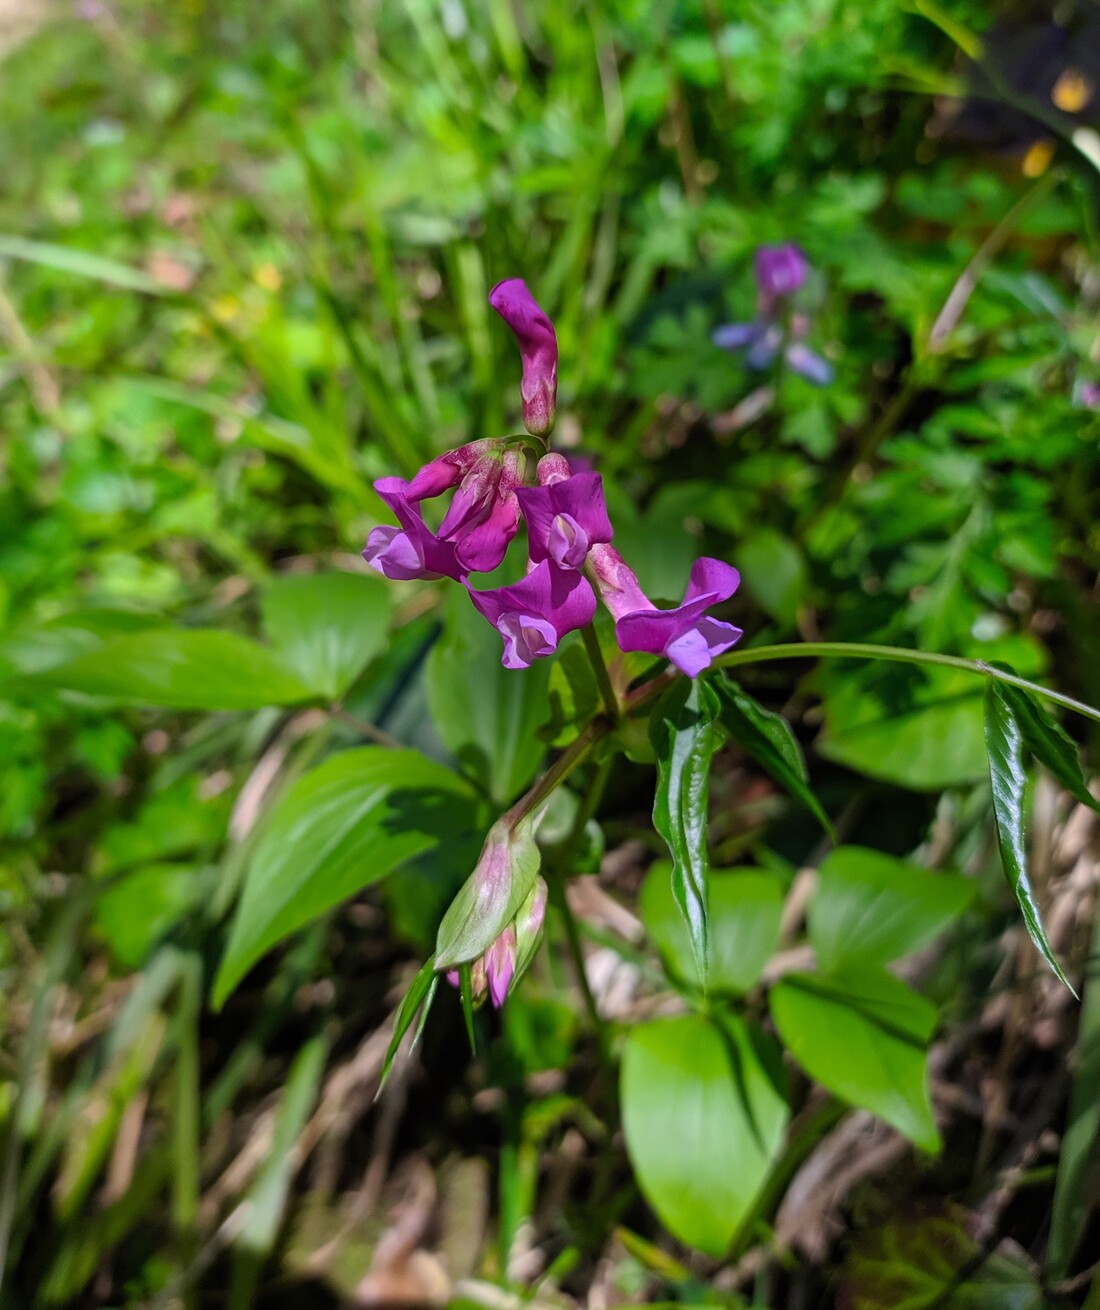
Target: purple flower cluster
(780,271)
(496,482)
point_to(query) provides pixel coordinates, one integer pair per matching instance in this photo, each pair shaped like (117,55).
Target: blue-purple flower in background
(781,272)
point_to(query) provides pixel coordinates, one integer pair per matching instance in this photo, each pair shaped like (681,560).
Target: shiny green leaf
(769,740)
(684,734)
(1005,744)
(745,907)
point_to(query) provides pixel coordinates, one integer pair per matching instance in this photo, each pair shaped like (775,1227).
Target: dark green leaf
(342,826)
(182,668)
(870,908)
(487,715)
(327,627)
(704,1121)
(930,1262)
(769,740)
(684,737)
(862,1034)
(1004,744)
(744,910)
(417,1000)
(1048,742)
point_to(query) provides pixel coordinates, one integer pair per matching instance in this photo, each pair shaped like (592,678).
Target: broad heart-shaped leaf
(744,910)
(769,740)
(1048,742)
(181,668)
(704,1121)
(1005,744)
(862,1034)
(490,898)
(417,1000)
(328,626)
(684,736)
(870,908)
(487,715)
(342,826)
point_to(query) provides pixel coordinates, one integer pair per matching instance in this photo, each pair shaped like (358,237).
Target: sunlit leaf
(684,733)
(1005,744)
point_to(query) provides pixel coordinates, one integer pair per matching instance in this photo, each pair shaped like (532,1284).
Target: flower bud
(491,897)
(538,348)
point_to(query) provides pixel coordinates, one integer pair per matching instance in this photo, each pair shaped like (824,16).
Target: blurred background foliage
(245,252)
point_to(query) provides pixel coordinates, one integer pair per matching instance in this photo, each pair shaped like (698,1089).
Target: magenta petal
(619,588)
(500,965)
(564,519)
(712,578)
(694,651)
(393,554)
(534,615)
(438,557)
(481,549)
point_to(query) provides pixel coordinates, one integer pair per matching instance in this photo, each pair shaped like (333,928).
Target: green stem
(556,888)
(599,668)
(573,755)
(858,650)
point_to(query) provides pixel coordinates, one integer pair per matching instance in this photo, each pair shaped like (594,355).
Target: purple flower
(481,520)
(685,635)
(413,550)
(780,271)
(1090,395)
(565,518)
(495,973)
(538,348)
(533,615)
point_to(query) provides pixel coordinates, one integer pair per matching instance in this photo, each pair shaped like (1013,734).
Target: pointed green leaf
(1048,741)
(744,908)
(328,626)
(181,668)
(339,828)
(417,1000)
(769,740)
(685,736)
(862,1034)
(1004,742)
(871,908)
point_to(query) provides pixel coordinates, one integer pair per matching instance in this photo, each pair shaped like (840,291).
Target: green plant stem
(599,668)
(857,650)
(556,888)
(573,755)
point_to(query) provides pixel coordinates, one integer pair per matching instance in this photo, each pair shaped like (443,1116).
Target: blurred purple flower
(780,271)
(538,348)
(686,635)
(533,615)
(1090,395)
